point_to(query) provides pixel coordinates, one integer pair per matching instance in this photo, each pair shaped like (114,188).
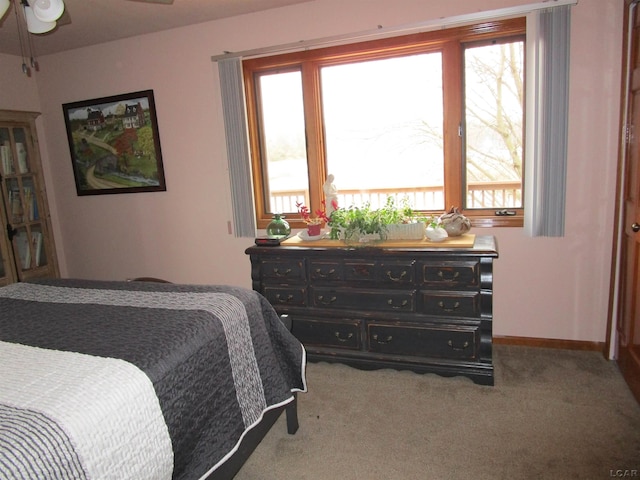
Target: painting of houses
(95,120)
(119,156)
(133,116)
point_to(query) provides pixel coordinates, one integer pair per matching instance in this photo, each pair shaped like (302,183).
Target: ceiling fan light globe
(47,10)
(35,25)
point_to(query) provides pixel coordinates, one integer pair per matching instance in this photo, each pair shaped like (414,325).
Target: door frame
(618,269)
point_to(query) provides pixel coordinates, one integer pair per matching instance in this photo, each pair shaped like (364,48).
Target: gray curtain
(235,124)
(547,121)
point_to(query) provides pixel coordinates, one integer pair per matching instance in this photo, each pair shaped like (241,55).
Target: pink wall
(545,287)
(17,91)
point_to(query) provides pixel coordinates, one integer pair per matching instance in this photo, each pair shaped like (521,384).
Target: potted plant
(402,222)
(314,224)
(363,224)
(357,224)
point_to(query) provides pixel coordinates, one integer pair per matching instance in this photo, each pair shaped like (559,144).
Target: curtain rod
(382,32)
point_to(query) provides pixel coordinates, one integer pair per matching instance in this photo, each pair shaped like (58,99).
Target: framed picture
(114,144)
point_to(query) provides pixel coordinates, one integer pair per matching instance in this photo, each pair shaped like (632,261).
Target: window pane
(285,156)
(383,130)
(493,116)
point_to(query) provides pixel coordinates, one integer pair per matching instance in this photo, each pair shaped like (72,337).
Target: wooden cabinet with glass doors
(27,248)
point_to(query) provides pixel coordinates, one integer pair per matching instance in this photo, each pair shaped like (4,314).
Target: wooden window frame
(449,41)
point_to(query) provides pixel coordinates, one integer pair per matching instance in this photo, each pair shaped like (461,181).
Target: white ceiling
(89,22)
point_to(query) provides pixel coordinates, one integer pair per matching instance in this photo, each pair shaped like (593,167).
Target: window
(435,117)
(493,124)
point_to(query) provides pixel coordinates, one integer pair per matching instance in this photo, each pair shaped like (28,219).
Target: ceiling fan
(41,15)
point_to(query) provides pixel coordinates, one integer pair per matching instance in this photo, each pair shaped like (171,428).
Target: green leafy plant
(392,213)
(431,221)
(351,224)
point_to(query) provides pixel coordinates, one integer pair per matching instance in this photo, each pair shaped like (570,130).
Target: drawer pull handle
(451,278)
(396,279)
(382,341)
(449,309)
(282,299)
(278,273)
(330,273)
(465,345)
(397,307)
(342,338)
(322,300)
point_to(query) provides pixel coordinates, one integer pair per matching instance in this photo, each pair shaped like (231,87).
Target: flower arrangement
(314,224)
(321,215)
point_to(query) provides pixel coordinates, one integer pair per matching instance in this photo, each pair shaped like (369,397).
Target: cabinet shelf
(27,248)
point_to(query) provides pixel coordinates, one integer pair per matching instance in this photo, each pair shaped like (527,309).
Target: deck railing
(479,195)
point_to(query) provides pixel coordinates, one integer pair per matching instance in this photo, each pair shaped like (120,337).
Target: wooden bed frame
(252,439)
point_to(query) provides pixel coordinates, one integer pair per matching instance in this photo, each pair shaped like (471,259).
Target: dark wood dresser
(425,308)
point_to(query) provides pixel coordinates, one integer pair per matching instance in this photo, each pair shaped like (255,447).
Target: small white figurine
(330,194)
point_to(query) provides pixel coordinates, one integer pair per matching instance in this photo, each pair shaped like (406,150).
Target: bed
(139,380)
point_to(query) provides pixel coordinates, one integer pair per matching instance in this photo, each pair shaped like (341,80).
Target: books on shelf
(29,252)
(23,212)
(15,206)
(30,203)
(36,242)
(7,159)
(22,242)
(23,165)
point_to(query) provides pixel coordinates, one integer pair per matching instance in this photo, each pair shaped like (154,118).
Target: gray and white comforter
(127,380)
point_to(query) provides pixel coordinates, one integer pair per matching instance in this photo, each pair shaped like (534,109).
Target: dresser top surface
(484,245)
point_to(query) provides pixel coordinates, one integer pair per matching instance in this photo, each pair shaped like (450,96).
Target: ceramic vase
(278,227)
(436,234)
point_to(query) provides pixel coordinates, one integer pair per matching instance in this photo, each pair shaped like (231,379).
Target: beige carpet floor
(553,414)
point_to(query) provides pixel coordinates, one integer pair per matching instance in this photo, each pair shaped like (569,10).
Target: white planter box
(406,231)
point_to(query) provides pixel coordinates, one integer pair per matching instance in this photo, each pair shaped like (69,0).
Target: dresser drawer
(360,271)
(285,296)
(364,299)
(397,273)
(451,274)
(451,304)
(283,271)
(326,271)
(424,340)
(382,273)
(327,333)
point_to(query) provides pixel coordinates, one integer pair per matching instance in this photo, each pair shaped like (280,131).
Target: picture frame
(115,144)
